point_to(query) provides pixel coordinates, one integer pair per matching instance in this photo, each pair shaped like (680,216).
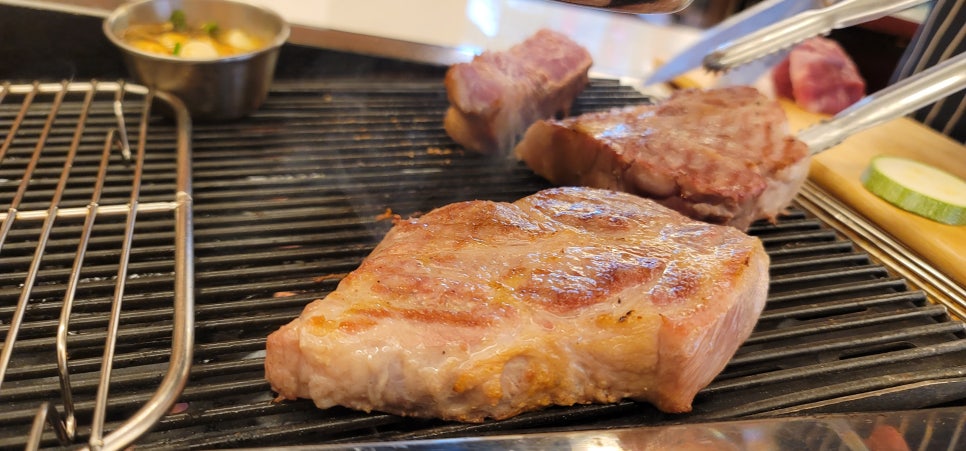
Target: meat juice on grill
(721,155)
(498,95)
(485,309)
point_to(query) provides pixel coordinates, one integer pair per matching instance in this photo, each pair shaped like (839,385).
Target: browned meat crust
(498,95)
(485,310)
(722,156)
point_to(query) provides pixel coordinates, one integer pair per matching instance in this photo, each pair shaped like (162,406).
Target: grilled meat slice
(485,310)
(498,95)
(819,76)
(722,156)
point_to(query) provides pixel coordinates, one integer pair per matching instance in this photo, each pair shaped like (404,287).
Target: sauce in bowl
(176,37)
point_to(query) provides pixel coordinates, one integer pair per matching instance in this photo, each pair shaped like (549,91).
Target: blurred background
(62,38)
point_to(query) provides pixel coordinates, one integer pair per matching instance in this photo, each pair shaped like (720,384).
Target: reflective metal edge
(885,248)
(182,335)
(941,428)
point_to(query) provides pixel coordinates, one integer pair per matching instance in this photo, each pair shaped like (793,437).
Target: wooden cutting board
(838,169)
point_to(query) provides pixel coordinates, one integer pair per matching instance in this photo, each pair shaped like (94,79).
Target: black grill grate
(289,200)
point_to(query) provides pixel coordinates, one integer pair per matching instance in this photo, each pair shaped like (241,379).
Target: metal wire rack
(87,229)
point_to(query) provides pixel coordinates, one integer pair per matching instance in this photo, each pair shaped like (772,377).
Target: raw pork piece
(819,76)
(485,310)
(722,155)
(494,98)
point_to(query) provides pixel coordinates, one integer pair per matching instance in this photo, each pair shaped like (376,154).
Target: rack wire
(70,179)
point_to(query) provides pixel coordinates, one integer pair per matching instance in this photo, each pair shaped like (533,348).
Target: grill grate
(289,200)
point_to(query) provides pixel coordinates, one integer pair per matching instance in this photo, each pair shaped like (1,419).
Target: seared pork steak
(495,97)
(722,155)
(485,310)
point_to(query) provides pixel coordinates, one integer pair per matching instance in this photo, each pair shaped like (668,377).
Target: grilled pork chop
(722,155)
(485,310)
(498,95)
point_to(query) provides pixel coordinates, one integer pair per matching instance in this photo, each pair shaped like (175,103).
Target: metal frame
(878,243)
(171,386)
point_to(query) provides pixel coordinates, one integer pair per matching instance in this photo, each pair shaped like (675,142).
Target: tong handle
(793,30)
(903,97)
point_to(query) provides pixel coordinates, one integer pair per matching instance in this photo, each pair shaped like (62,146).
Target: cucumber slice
(918,188)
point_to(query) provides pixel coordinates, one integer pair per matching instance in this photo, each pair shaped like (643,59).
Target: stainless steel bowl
(212,88)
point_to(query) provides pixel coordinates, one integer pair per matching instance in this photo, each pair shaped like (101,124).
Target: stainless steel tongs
(788,32)
(894,101)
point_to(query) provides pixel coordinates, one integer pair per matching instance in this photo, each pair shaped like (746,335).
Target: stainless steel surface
(212,89)
(60,218)
(743,23)
(634,6)
(934,429)
(793,30)
(894,101)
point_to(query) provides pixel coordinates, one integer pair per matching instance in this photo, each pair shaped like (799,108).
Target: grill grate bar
(862,319)
(780,376)
(847,393)
(266,436)
(857,341)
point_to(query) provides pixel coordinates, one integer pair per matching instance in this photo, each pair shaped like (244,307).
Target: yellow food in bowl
(176,37)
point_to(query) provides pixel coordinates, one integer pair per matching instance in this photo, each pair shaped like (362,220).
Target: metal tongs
(894,101)
(788,32)
(634,6)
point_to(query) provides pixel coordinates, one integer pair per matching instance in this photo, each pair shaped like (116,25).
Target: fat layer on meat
(483,309)
(495,97)
(722,155)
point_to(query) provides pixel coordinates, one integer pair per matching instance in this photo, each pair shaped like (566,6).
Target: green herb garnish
(177,49)
(210,27)
(178,20)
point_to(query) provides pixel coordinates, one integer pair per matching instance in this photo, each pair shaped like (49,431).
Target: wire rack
(97,216)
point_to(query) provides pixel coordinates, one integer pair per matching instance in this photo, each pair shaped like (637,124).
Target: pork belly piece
(723,155)
(494,98)
(819,76)
(483,310)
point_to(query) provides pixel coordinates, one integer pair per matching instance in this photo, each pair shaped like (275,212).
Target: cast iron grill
(289,200)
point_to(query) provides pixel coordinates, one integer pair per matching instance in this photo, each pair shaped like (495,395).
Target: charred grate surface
(291,199)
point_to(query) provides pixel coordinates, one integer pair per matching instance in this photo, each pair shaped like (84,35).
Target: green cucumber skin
(909,200)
